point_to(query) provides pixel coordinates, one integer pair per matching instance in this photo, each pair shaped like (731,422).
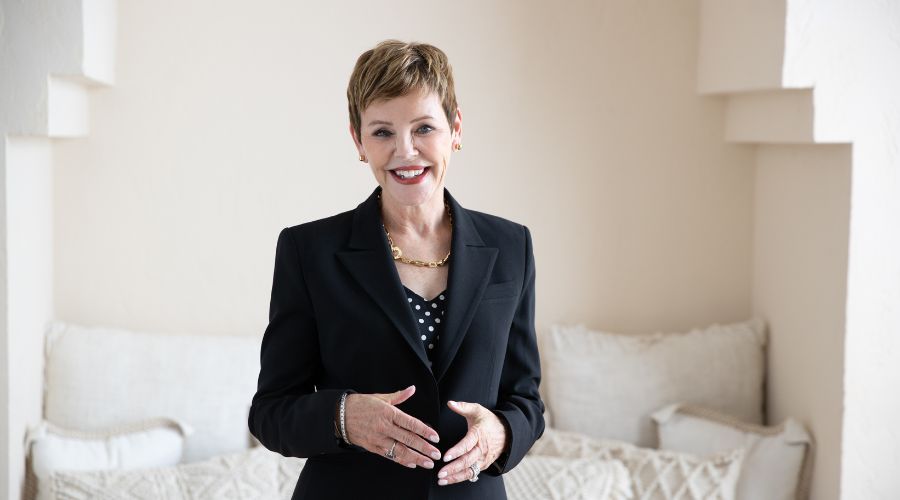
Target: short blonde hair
(393,69)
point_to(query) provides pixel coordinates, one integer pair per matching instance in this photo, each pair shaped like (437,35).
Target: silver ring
(475,470)
(390,453)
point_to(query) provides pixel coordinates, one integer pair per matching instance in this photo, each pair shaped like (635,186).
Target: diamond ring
(475,470)
(390,453)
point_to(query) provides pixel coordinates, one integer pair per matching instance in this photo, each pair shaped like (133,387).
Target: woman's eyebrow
(382,122)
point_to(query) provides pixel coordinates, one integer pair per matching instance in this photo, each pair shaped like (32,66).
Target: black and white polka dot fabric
(429,316)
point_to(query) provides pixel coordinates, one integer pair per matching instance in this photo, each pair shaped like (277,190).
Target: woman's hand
(482,444)
(373,422)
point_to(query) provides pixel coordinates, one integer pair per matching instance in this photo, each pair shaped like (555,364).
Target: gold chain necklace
(397,253)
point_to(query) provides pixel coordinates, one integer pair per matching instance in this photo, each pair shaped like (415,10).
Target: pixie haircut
(393,69)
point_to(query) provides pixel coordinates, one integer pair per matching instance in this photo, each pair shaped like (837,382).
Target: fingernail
(448,458)
(453,403)
(435,455)
(434,438)
(442,473)
(411,465)
(428,465)
(442,482)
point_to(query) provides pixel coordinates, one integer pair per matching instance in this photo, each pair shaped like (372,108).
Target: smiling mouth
(410,173)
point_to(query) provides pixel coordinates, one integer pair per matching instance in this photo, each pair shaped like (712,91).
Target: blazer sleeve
(287,414)
(519,402)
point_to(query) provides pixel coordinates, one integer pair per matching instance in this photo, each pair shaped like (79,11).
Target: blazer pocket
(501,290)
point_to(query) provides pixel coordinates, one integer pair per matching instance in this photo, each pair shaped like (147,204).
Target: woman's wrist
(506,431)
(340,424)
(337,419)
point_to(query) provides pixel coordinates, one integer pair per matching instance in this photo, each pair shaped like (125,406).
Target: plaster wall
(38,39)
(801,226)
(30,278)
(5,354)
(741,45)
(228,122)
(850,52)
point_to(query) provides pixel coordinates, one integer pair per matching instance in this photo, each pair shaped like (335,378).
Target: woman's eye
(424,129)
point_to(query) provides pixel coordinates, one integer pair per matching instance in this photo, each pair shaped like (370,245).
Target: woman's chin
(410,194)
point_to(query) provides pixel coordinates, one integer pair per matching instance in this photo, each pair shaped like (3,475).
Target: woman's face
(407,143)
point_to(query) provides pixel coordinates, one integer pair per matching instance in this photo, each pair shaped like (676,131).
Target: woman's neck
(420,221)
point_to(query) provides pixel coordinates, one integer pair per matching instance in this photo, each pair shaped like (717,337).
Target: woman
(400,355)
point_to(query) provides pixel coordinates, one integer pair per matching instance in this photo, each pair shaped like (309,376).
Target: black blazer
(339,320)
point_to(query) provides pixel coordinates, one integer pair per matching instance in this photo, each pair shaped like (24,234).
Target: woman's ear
(356,140)
(456,128)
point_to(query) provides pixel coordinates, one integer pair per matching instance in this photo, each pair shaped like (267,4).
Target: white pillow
(655,474)
(288,473)
(777,465)
(146,443)
(539,477)
(606,385)
(255,473)
(97,377)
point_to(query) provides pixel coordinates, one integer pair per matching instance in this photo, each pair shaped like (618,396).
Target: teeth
(409,174)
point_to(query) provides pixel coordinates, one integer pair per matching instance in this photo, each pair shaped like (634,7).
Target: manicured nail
(448,458)
(411,465)
(442,473)
(453,403)
(442,482)
(434,438)
(428,465)
(435,455)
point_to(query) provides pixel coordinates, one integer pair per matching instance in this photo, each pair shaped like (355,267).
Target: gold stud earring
(362,157)
(458,146)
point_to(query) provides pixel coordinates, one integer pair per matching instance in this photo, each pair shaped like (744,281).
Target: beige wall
(227,123)
(802,212)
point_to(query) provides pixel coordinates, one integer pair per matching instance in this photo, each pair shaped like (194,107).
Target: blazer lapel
(470,269)
(369,262)
(371,265)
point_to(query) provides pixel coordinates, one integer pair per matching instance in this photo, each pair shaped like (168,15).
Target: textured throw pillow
(606,385)
(778,461)
(96,377)
(288,472)
(655,474)
(145,443)
(256,473)
(539,477)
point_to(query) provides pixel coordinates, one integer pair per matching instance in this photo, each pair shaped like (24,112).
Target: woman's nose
(406,146)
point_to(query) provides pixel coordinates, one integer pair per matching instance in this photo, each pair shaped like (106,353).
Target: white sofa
(99,379)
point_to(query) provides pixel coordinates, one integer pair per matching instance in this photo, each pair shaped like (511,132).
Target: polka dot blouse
(429,316)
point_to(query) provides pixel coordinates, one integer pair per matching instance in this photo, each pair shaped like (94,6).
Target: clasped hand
(373,422)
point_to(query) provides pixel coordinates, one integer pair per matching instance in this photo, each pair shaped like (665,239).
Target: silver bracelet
(343,425)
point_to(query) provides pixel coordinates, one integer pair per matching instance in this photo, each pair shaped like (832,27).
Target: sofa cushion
(606,385)
(101,377)
(540,477)
(778,461)
(655,474)
(146,443)
(256,473)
